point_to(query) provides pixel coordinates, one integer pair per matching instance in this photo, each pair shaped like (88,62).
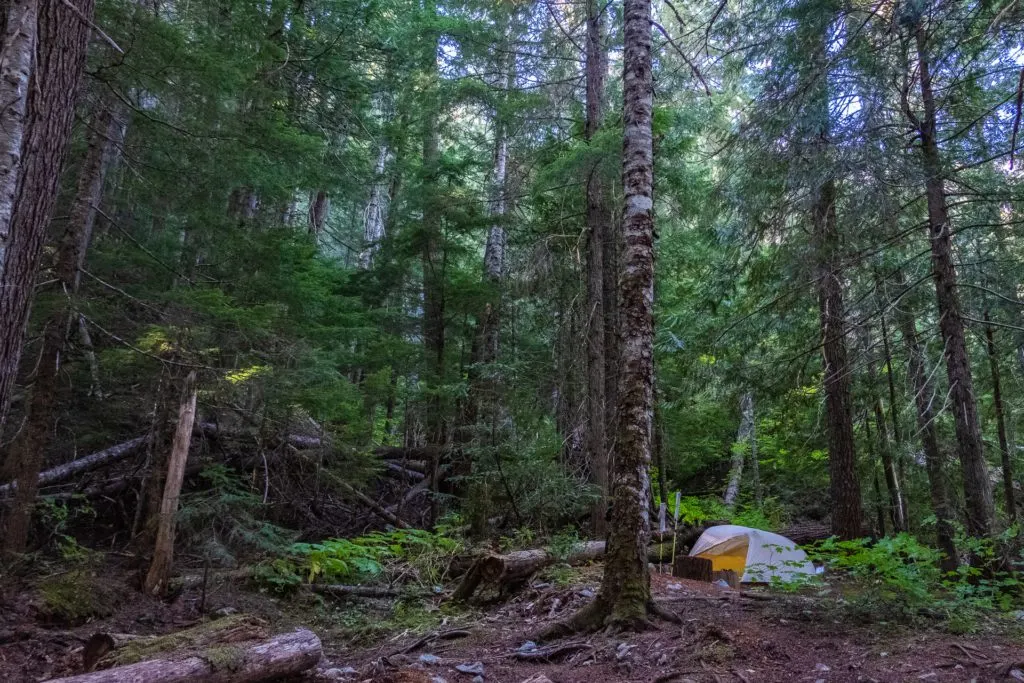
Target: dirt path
(724,637)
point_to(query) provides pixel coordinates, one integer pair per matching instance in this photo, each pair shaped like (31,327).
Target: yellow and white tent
(755,555)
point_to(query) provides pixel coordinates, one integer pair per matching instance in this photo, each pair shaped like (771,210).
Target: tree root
(599,614)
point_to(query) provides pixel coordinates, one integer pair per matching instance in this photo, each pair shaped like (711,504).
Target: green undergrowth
(897,579)
(412,556)
(78,596)
(366,622)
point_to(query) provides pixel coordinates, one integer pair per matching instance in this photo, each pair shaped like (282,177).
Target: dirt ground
(725,636)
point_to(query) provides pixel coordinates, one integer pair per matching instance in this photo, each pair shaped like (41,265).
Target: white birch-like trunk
(744,442)
(17,52)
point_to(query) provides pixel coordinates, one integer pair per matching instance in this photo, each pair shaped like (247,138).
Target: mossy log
(104,650)
(284,655)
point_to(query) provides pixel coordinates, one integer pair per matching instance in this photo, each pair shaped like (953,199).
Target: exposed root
(599,614)
(663,613)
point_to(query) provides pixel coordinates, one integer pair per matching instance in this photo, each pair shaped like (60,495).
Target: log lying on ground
(807,532)
(284,655)
(513,569)
(105,650)
(68,470)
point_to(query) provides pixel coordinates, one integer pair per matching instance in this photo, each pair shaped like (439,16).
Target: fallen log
(105,650)
(340,590)
(61,473)
(807,532)
(372,505)
(511,570)
(393,468)
(284,655)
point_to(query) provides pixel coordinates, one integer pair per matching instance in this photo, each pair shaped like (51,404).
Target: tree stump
(693,568)
(727,575)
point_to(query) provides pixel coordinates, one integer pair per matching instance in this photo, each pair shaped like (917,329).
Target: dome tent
(756,556)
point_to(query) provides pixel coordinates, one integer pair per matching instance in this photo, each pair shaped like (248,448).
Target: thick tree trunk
(33,441)
(163,554)
(598,232)
(624,599)
(977,489)
(49,112)
(844,484)
(997,400)
(924,391)
(744,437)
(282,656)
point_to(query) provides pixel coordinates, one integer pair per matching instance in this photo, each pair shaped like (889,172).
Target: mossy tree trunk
(624,600)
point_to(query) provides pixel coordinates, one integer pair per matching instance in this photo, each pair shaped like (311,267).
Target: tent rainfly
(757,556)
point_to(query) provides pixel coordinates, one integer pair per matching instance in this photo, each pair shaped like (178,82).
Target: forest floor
(726,636)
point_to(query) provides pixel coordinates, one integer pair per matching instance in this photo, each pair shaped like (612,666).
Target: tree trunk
(19,48)
(744,436)
(924,391)
(282,656)
(997,400)
(60,50)
(977,489)
(319,205)
(844,484)
(624,599)
(376,210)
(598,232)
(433,258)
(32,442)
(896,506)
(163,555)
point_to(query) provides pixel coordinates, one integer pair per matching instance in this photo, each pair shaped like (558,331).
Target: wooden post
(163,554)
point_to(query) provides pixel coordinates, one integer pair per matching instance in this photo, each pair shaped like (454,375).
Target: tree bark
(163,554)
(896,506)
(624,599)
(844,484)
(997,400)
(924,391)
(60,49)
(319,205)
(376,210)
(974,468)
(285,655)
(432,257)
(598,233)
(744,437)
(32,442)
(19,37)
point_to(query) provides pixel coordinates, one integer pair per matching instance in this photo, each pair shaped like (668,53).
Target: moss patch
(77,597)
(214,635)
(225,658)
